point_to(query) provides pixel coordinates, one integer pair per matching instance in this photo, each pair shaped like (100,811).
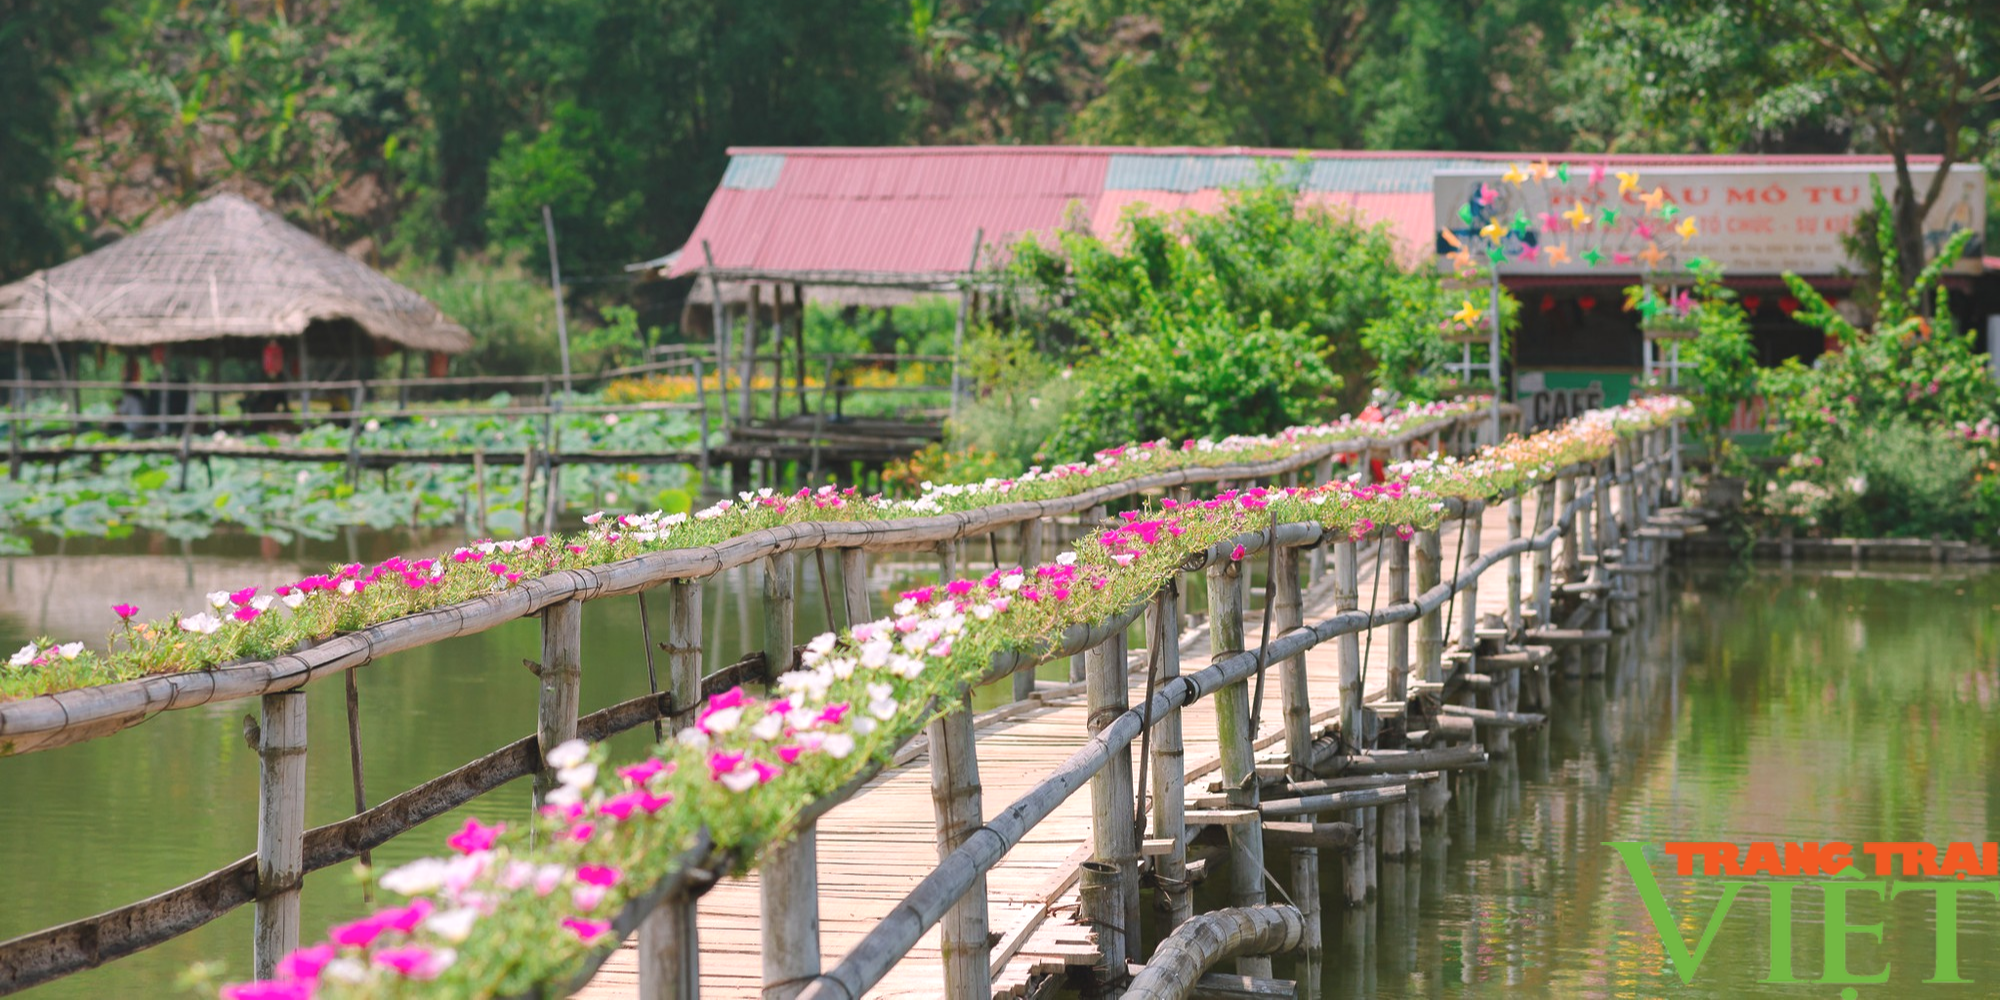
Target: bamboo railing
(272,878)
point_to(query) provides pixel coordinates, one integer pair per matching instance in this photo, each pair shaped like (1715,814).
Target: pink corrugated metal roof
(915,210)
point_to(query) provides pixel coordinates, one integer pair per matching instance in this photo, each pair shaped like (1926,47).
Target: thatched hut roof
(224,268)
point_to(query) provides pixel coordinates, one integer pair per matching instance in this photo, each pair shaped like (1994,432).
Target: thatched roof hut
(225,268)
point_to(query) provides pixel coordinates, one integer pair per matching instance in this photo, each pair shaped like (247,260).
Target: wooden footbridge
(1325,720)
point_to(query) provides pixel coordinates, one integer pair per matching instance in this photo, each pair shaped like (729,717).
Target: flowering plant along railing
(251,641)
(609,843)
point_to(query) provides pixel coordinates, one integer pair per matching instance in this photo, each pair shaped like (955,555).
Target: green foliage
(1897,479)
(1023,394)
(510,314)
(1407,338)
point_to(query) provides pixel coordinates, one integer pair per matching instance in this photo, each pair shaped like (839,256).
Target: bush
(1022,395)
(509,312)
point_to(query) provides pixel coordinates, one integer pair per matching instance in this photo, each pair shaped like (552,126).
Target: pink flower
(412,961)
(654,803)
(720,763)
(581,832)
(305,963)
(586,897)
(125,612)
(603,875)
(1236,554)
(958,588)
(358,934)
(475,836)
(832,714)
(643,771)
(790,753)
(587,931)
(293,989)
(245,614)
(243,596)
(406,918)
(766,771)
(620,807)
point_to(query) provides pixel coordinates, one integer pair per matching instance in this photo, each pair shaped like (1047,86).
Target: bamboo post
(955,795)
(719,318)
(1545,515)
(1399,633)
(1031,554)
(1287,613)
(1113,834)
(1467,604)
(552,479)
(561,674)
(1513,568)
(1674,475)
(779,612)
(1572,563)
(281,828)
(746,390)
(1430,628)
(1347,597)
(1305,896)
(1628,499)
(1169,764)
(669,953)
(701,406)
(1237,746)
(684,648)
(854,586)
(788,886)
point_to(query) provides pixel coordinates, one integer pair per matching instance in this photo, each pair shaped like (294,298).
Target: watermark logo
(1839,875)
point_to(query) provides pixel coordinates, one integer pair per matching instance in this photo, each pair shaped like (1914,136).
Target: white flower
(882,708)
(1857,485)
(564,795)
(740,780)
(69,650)
(863,725)
(580,777)
(875,655)
(25,656)
(611,420)
(722,721)
(768,727)
(904,606)
(372,426)
(692,737)
(347,970)
(593,518)
(346,588)
(218,599)
(1011,583)
(837,745)
(453,925)
(421,876)
(203,623)
(294,599)
(262,603)
(569,753)
(304,477)
(1066,559)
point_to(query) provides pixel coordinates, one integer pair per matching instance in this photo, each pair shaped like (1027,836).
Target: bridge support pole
(1238,753)
(780,572)
(669,953)
(788,887)
(281,828)
(955,794)
(1399,633)
(1467,605)
(1514,511)
(1175,897)
(1572,561)
(854,586)
(1347,597)
(1545,513)
(684,649)
(1430,627)
(1287,613)
(562,677)
(1114,836)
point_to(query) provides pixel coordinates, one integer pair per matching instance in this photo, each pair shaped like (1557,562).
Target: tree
(1904,77)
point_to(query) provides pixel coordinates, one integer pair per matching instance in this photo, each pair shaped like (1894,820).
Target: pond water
(1762,706)
(1768,706)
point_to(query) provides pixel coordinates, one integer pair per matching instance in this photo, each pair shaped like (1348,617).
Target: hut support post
(1399,633)
(684,648)
(955,794)
(1238,753)
(788,886)
(745,409)
(562,678)
(669,953)
(1176,899)
(1287,613)
(281,828)
(1112,832)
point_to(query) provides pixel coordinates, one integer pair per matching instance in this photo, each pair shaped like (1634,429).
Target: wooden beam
(281,828)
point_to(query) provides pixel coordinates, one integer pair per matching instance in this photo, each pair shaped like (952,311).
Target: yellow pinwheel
(1628,182)
(1578,218)
(1493,231)
(1654,199)
(1687,229)
(1514,175)
(1467,316)
(1555,255)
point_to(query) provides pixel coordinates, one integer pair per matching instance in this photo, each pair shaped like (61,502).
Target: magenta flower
(720,763)
(1236,553)
(582,832)
(243,596)
(475,836)
(587,931)
(654,803)
(620,807)
(305,963)
(245,613)
(643,771)
(358,934)
(269,990)
(766,771)
(412,961)
(790,752)
(407,918)
(832,714)
(125,612)
(603,875)
(958,588)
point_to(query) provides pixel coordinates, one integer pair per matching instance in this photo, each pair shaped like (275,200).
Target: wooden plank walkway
(876,847)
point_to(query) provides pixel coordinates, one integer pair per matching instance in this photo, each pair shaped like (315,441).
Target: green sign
(1547,398)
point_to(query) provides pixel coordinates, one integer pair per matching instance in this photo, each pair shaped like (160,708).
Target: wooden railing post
(1674,474)
(788,888)
(1347,597)
(1113,833)
(1238,753)
(1287,613)
(1513,568)
(1176,897)
(1467,605)
(780,612)
(669,953)
(1572,561)
(1399,633)
(854,586)
(684,649)
(1430,628)
(1031,554)
(562,677)
(955,795)
(1322,474)
(281,828)
(1545,514)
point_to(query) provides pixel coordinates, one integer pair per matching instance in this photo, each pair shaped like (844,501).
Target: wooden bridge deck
(876,847)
